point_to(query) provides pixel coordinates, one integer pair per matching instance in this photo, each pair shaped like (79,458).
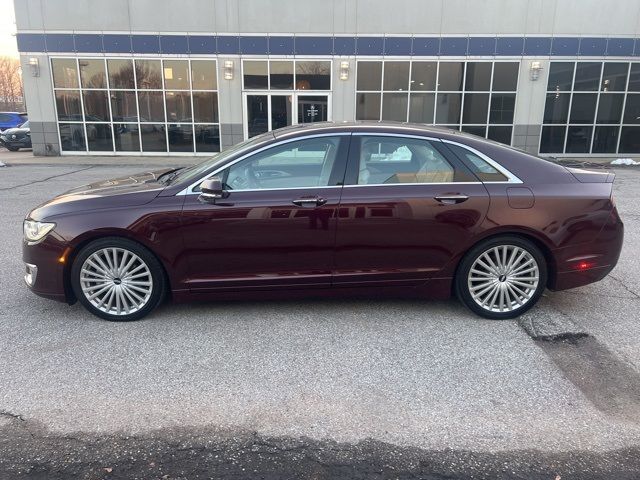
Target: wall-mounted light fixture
(534,70)
(228,69)
(34,65)
(344,70)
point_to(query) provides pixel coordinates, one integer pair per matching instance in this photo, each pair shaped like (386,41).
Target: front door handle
(309,202)
(451,199)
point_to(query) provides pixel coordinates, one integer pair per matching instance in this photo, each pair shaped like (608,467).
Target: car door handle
(451,199)
(309,202)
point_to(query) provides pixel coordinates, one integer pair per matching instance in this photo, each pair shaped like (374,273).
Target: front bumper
(44,269)
(17,142)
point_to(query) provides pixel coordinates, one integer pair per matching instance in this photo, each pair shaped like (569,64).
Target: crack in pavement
(5,189)
(625,286)
(13,416)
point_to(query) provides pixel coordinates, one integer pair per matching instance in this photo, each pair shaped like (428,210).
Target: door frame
(294,110)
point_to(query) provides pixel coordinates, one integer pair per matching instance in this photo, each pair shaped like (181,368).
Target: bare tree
(11,93)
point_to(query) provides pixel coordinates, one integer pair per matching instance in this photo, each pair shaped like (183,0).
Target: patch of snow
(624,161)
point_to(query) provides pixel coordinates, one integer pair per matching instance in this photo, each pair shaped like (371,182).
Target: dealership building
(159,77)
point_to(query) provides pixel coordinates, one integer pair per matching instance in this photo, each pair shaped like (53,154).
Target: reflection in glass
(610,108)
(153,137)
(281,114)
(587,76)
(96,107)
(369,76)
(68,105)
(560,76)
(502,107)
(605,139)
(123,106)
(394,106)
(92,73)
(257,114)
(176,74)
(630,140)
(313,75)
(632,109)
(151,106)
(423,75)
(396,76)
(505,76)
(256,74)
(203,75)
(368,106)
(178,106)
(120,73)
(476,106)
(205,107)
(583,107)
(556,109)
(180,137)
(421,107)
(500,134)
(149,74)
(281,75)
(448,108)
(475,130)
(450,76)
(65,73)
(552,139)
(126,137)
(478,76)
(579,139)
(312,108)
(99,137)
(207,138)
(634,78)
(72,137)
(614,77)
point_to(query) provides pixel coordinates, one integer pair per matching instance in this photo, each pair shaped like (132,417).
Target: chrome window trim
(410,184)
(511,178)
(189,189)
(399,134)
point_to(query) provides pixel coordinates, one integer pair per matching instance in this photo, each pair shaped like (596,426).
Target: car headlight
(36,231)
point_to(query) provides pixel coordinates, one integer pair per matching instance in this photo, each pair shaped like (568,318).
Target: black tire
(13,149)
(461,280)
(159,283)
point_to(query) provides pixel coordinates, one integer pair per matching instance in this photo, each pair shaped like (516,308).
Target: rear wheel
(502,277)
(13,149)
(117,279)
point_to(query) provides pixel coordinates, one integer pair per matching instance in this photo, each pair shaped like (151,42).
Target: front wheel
(502,277)
(117,279)
(13,149)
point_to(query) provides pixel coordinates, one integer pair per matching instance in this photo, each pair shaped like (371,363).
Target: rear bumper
(590,262)
(44,271)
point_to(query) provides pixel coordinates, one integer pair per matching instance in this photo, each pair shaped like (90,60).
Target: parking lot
(331,387)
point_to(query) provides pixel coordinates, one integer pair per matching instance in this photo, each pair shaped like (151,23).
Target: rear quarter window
(480,167)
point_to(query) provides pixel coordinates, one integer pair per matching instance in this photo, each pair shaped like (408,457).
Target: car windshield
(193,172)
(25,124)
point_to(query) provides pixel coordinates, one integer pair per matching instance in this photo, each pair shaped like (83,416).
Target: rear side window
(483,169)
(389,160)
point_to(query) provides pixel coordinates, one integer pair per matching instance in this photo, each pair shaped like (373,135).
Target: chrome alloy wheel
(116,281)
(503,278)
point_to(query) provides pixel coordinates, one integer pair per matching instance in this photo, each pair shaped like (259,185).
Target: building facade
(150,77)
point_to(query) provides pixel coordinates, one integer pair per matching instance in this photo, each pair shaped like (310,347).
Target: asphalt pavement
(368,388)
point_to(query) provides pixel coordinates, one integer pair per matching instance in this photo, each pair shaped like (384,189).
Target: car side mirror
(212,190)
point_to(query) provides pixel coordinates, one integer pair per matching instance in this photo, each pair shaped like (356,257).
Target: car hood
(15,131)
(118,192)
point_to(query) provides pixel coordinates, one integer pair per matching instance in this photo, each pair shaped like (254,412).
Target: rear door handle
(309,202)
(451,199)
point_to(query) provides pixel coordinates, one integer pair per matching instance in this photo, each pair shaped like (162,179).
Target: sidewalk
(25,157)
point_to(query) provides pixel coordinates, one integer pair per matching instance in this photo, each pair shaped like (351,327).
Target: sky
(7,29)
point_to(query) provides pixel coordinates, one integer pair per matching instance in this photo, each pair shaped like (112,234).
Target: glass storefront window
(118,109)
(368,106)
(422,107)
(396,76)
(313,75)
(478,77)
(556,109)
(369,76)
(587,76)
(450,76)
(176,74)
(560,76)
(120,73)
(65,72)
(92,73)
(505,76)
(502,107)
(614,77)
(423,76)
(552,139)
(610,108)
(281,75)
(255,74)
(476,108)
(448,108)
(394,106)
(203,75)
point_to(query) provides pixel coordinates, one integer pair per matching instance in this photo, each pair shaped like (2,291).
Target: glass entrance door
(270,111)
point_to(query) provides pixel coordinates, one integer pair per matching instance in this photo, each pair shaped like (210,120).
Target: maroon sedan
(330,209)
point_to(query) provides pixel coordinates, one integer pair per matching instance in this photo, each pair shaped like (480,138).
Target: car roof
(16,113)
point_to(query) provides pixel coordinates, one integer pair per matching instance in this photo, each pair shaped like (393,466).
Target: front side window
(298,164)
(391,160)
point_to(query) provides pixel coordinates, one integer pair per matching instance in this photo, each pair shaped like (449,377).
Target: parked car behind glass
(12,120)
(16,138)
